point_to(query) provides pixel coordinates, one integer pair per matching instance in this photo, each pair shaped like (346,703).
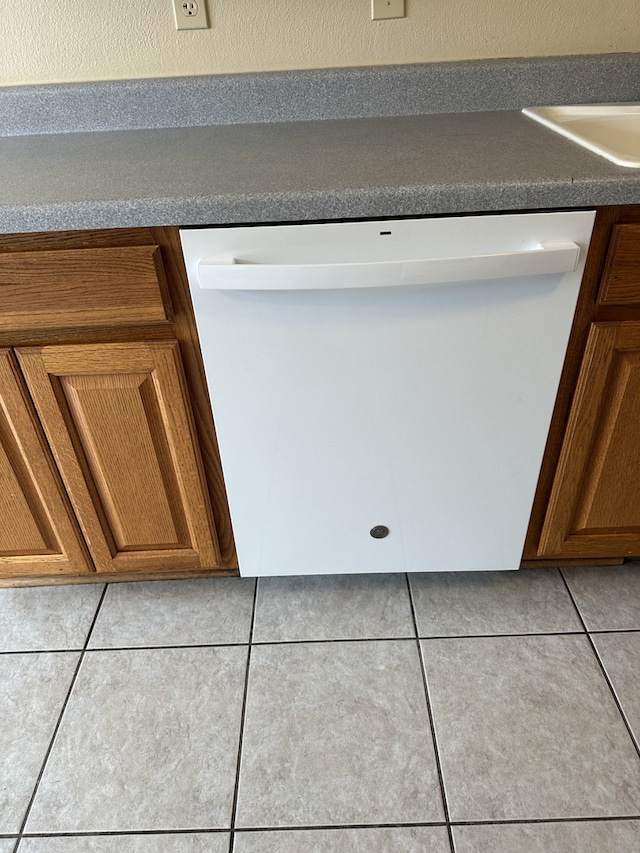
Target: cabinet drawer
(621,277)
(74,288)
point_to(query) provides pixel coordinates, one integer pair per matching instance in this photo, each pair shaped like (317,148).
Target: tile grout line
(338,827)
(107,649)
(322,827)
(614,694)
(59,721)
(546,820)
(573,601)
(416,635)
(126,833)
(595,632)
(243,713)
(603,669)
(432,726)
(441,823)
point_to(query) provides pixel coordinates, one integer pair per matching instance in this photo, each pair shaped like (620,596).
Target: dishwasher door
(382,391)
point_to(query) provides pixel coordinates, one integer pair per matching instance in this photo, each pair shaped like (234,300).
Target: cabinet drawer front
(621,278)
(82,287)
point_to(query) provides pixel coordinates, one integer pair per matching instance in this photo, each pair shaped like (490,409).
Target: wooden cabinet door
(594,508)
(119,424)
(37,533)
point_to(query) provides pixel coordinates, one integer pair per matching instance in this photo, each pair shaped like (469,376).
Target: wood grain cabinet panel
(594,509)
(76,288)
(621,276)
(118,420)
(37,533)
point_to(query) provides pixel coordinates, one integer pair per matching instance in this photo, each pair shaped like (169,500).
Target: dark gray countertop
(443,161)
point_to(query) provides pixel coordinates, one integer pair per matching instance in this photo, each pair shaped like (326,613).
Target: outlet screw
(379,531)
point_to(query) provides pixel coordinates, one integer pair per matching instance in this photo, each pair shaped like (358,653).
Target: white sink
(611,130)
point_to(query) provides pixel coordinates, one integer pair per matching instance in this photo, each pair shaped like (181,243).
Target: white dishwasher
(382,390)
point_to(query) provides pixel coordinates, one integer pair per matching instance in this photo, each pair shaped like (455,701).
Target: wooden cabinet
(101,471)
(588,508)
(117,420)
(37,533)
(594,508)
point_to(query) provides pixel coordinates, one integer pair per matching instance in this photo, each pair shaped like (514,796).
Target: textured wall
(115,39)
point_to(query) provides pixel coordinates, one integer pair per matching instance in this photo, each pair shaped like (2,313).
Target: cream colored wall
(115,39)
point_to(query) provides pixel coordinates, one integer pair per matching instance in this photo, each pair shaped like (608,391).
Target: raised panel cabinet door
(37,534)
(594,508)
(118,420)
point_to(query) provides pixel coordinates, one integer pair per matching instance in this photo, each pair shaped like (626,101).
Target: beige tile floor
(484,713)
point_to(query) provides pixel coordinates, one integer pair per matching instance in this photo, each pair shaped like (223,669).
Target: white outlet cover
(384,9)
(190,14)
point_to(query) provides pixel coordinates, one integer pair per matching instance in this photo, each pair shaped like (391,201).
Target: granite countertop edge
(293,207)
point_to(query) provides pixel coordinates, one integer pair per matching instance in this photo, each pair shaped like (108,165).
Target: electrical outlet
(190,14)
(385,9)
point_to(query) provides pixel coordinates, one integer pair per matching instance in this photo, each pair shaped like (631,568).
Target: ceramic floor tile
(7,845)
(47,618)
(211,842)
(607,836)
(419,839)
(175,613)
(620,654)
(33,688)
(337,733)
(463,603)
(608,597)
(527,728)
(149,740)
(333,607)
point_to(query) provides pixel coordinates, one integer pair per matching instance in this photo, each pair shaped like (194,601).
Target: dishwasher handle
(235,274)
